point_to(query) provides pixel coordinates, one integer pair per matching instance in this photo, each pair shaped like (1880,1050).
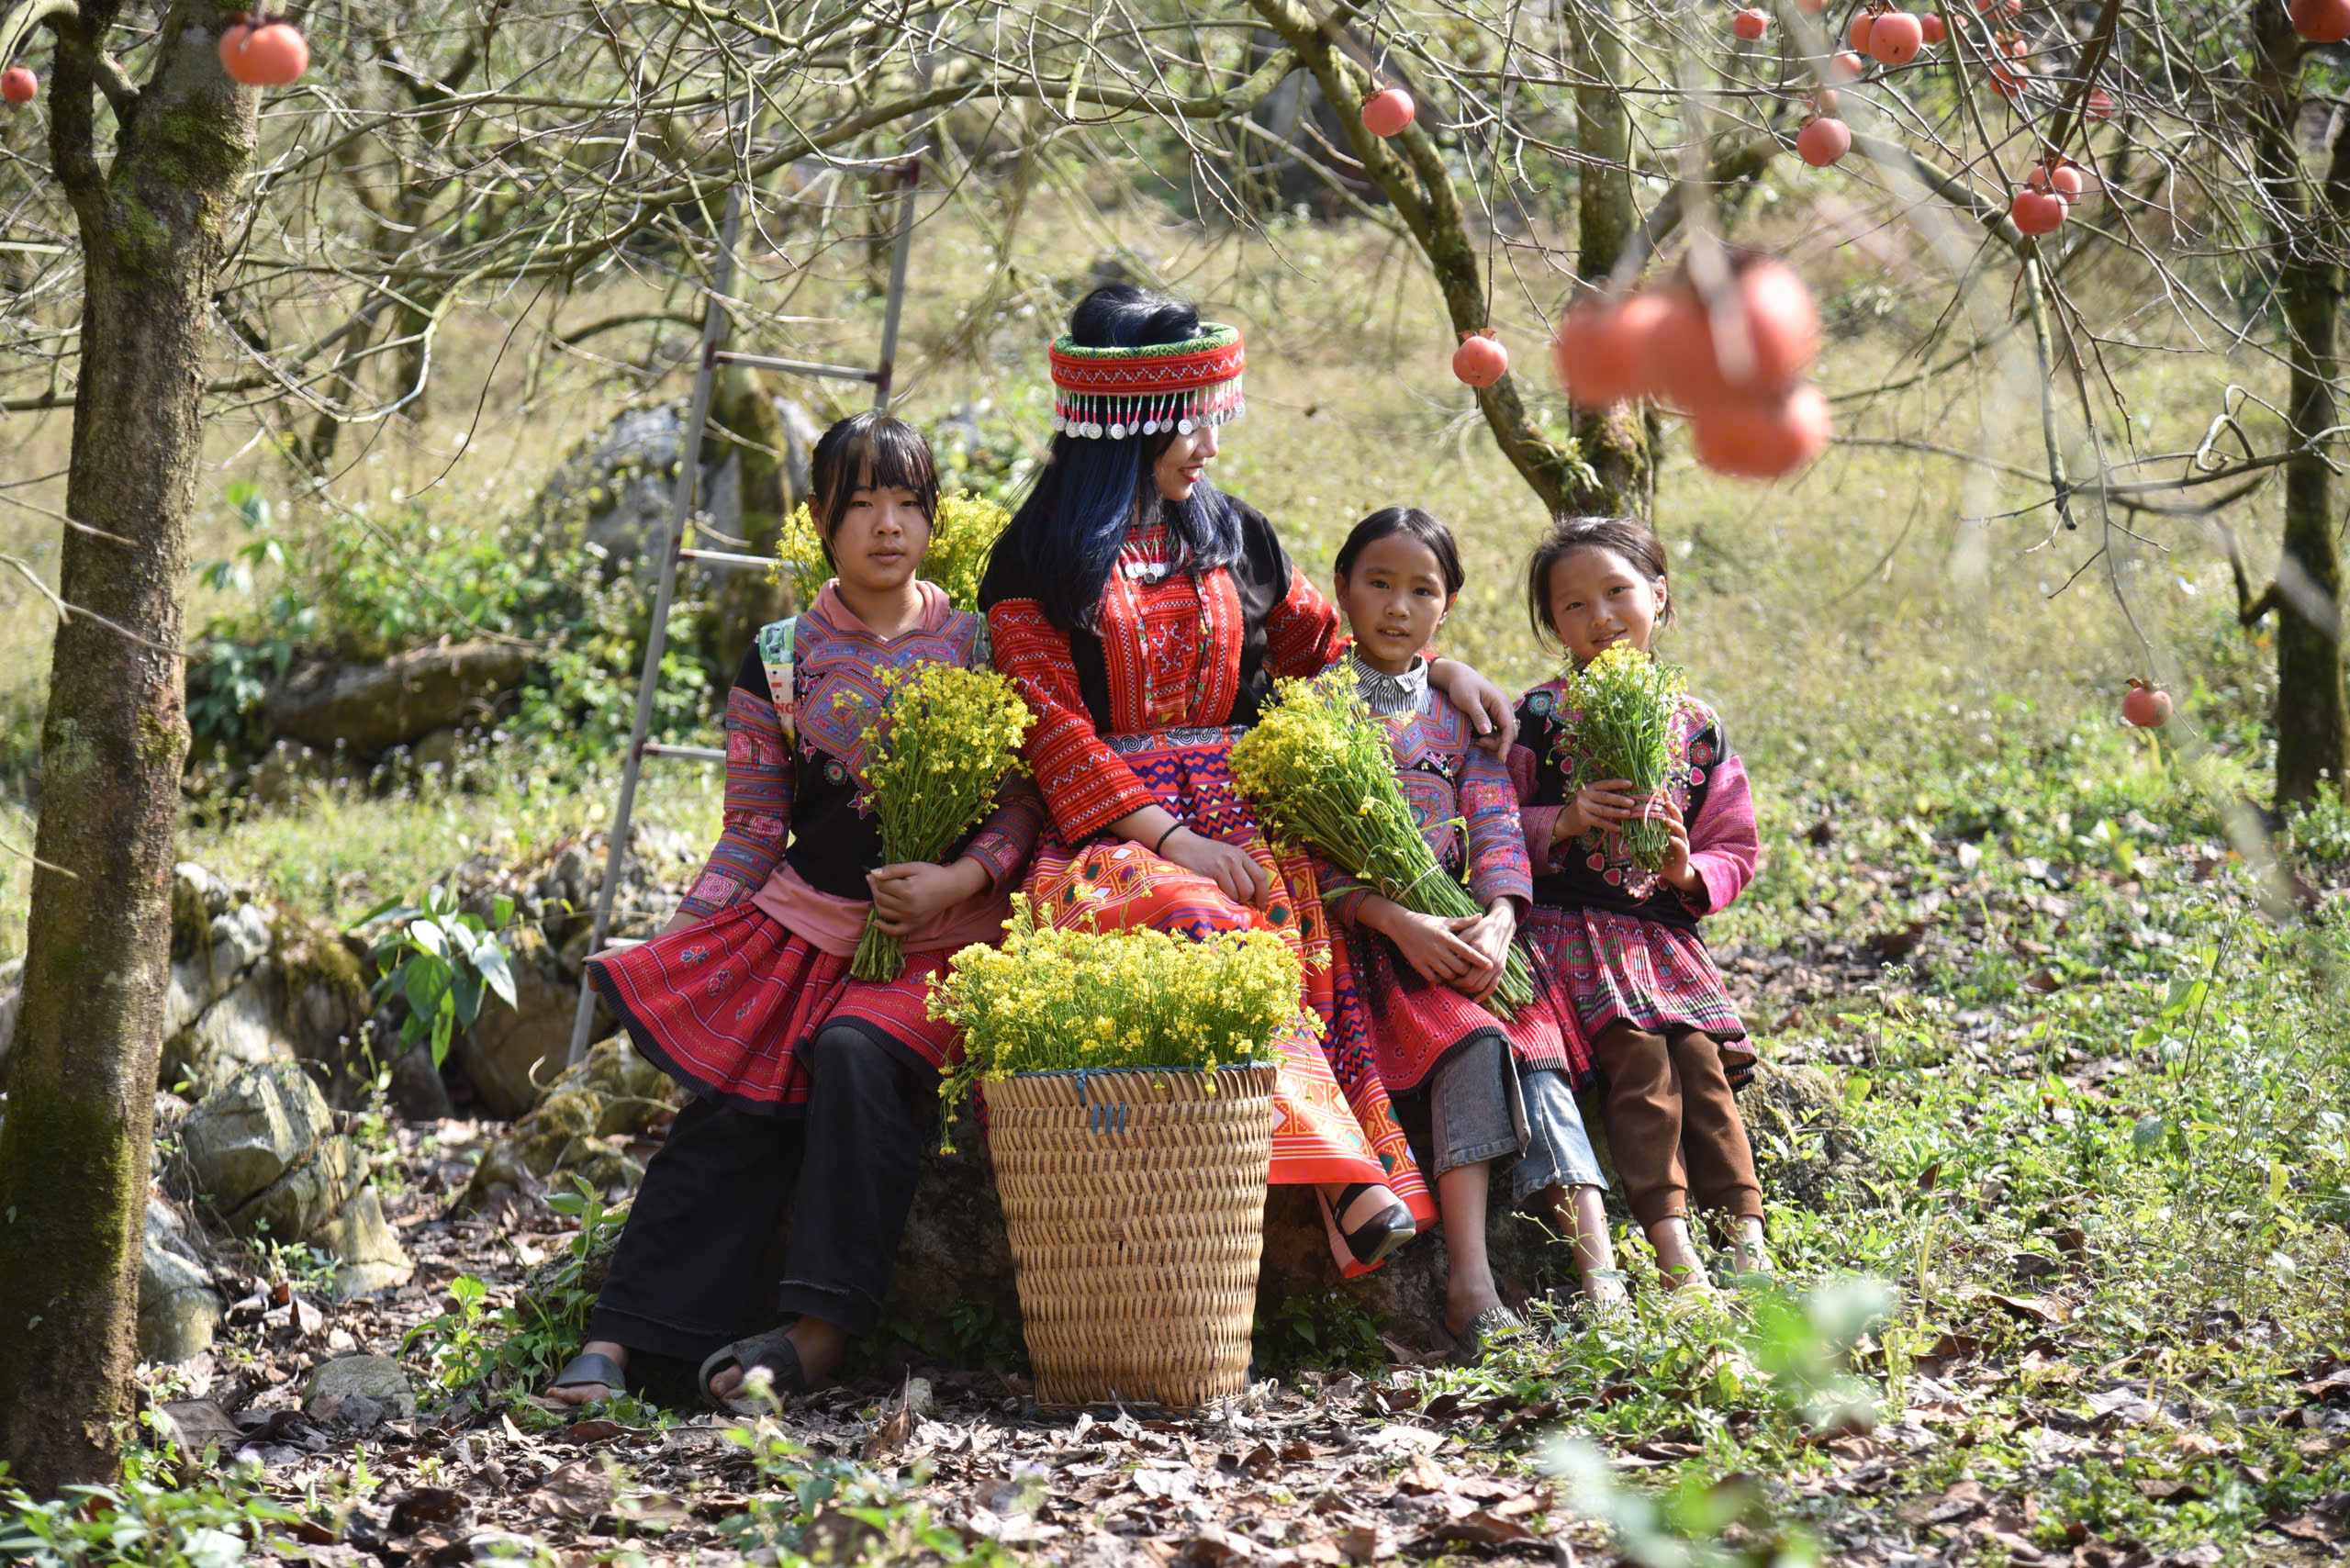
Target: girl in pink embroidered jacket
(805,1079)
(1496,1090)
(1621,941)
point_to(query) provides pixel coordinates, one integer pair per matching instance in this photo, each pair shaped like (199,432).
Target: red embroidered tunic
(1168,650)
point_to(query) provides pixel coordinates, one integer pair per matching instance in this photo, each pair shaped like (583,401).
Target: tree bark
(1614,442)
(1416,181)
(2312,714)
(75,1147)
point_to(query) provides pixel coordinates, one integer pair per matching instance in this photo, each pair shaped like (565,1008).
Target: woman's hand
(907,896)
(1234,870)
(1605,804)
(1490,935)
(1429,943)
(1489,709)
(683,920)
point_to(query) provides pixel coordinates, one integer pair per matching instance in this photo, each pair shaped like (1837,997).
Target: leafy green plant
(444,961)
(472,1347)
(1325,1330)
(825,1509)
(156,1517)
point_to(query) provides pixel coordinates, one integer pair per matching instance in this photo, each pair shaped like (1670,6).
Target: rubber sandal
(773,1350)
(588,1369)
(1494,1325)
(1371,1241)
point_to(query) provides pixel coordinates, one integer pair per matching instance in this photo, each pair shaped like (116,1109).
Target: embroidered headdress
(1117,393)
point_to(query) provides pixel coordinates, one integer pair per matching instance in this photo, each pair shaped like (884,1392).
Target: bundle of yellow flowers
(1318,769)
(1623,704)
(961,536)
(937,752)
(1051,999)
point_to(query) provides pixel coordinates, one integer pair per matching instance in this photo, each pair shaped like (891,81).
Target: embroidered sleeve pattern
(1723,844)
(1500,864)
(1007,835)
(757,816)
(1085,784)
(1304,635)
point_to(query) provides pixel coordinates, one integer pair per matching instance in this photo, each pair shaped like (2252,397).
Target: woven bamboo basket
(1136,1203)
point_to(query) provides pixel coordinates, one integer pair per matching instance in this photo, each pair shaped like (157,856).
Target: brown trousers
(1673,1126)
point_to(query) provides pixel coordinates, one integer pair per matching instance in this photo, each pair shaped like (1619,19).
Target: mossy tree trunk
(1410,171)
(2312,716)
(1614,442)
(75,1147)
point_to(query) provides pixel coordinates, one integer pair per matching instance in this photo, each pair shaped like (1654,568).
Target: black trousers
(687,1275)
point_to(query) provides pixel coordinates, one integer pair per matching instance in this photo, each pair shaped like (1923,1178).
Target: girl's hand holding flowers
(1490,935)
(907,896)
(1678,872)
(1432,944)
(1602,804)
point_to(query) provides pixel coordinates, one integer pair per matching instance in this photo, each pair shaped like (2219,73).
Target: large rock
(249,1133)
(613,1094)
(372,708)
(378,1379)
(178,1309)
(370,1257)
(297,1205)
(512,1054)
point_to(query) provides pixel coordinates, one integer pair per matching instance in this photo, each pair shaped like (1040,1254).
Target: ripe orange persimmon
(1765,436)
(1932,26)
(1823,141)
(1857,35)
(271,52)
(1603,349)
(1480,360)
(2148,707)
(2037,212)
(1896,38)
(1848,65)
(1750,25)
(1764,335)
(18,85)
(2322,21)
(1388,111)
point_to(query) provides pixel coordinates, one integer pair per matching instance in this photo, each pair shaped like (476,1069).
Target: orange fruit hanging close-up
(263,51)
(1388,111)
(2148,707)
(1480,360)
(1823,141)
(18,85)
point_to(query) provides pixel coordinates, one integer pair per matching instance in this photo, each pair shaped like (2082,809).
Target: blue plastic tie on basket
(1098,1115)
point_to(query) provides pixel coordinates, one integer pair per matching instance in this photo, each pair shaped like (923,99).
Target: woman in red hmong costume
(1144,616)
(802,1075)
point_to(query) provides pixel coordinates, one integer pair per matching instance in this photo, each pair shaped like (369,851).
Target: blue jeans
(1482,1107)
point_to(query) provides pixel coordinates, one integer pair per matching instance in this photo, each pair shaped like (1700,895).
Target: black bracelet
(1160,848)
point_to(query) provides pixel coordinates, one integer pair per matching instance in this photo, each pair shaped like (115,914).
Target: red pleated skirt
(1612,968)
(726,1007)
(1416,1024)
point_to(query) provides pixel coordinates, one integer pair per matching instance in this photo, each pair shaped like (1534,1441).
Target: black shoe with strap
(1370,1242)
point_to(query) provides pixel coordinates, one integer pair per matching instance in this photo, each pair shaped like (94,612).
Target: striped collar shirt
(1390,695)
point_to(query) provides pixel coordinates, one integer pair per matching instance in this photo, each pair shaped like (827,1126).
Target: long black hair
(1066,537)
